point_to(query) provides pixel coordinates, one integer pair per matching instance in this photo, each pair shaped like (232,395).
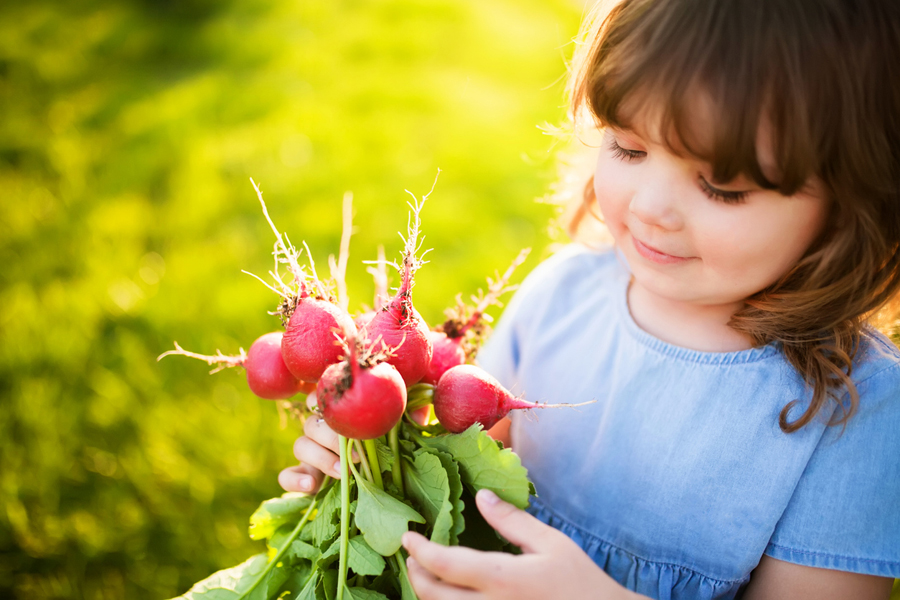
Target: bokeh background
(129,130)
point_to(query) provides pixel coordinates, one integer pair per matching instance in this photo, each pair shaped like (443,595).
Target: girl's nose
(653,203)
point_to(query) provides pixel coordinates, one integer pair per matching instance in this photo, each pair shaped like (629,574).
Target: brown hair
(824,75)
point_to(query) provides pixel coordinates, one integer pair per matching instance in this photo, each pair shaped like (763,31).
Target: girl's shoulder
(842,514)
(876,371)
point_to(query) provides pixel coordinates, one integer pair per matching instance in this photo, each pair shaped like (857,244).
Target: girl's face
(690,240)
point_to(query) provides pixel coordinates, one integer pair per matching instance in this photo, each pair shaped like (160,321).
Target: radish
(398,326)
(267,375)
(447,339)
(316,325)
(313,336)
(447,353)
(361,398)
(467,394)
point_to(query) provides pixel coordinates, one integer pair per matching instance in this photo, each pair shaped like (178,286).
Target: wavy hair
(824,77)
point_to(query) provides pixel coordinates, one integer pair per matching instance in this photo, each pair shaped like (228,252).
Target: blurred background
(129,130)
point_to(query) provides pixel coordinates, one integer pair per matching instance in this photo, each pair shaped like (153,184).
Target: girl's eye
(624,153)
(721,195)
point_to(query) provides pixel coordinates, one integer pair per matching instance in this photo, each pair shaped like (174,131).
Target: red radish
(448,353)
(316,326)
(398,326)
(267,375)
(312,340)
(361,400)
(447,340)
(466,395)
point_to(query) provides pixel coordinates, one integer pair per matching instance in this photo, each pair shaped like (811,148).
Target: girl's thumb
(515,525)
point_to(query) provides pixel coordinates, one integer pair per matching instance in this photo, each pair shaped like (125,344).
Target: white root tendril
(498,287)
(284,253)
(222,360)
(379,274)
(339,268)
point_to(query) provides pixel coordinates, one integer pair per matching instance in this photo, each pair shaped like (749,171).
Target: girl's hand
(551,566)
(317,452)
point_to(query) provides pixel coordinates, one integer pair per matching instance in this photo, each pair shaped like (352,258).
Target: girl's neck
(697,327)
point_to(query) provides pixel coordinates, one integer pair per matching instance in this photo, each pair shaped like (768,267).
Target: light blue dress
(678,479)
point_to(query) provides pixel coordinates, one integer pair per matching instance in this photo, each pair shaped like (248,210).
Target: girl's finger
(302,478)
(314,454)
(428,587)
(454,565)
(318,430)
(311,402)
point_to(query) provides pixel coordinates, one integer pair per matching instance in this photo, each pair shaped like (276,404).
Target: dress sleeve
(845,511)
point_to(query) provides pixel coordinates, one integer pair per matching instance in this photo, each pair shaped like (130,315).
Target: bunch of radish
(370,375)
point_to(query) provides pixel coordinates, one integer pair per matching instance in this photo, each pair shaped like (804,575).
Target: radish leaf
(382,518)
(483,465)
(274,513)
(362,559)
(428,486)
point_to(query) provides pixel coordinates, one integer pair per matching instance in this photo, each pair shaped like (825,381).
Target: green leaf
(329,584)
(483,465)
(297,579)
(385,455)
(301,550)
(456,491)
(358,593)
(362,559)
(428,486)
(324,525)
(330,555)
(229,584)
(308,589)
(274,513)
(382,518)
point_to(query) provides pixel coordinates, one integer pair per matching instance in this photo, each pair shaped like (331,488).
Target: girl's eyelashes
(624,153)
(721,195)
(728,197)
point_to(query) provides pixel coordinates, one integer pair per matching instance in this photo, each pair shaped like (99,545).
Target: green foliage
(296,567)
(483,464)
(129,132)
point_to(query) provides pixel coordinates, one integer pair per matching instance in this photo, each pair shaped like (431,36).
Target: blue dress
(678,479)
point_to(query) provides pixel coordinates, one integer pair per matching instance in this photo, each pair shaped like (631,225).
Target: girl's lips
(654,255)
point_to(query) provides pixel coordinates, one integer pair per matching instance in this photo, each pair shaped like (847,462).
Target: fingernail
(404,539)
(410,562)
(488,497)
(306,483)
(337,469)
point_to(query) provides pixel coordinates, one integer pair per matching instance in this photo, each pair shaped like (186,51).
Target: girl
(746,434)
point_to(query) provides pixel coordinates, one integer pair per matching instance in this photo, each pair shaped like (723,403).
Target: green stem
(362,460)
(372,451)
(290,539)
(397,465)
(345,516)
(404,574)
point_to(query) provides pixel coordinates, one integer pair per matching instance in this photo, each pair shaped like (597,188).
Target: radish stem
(372,451)
(397,465)
(362,460)
(290,539)
(345,516)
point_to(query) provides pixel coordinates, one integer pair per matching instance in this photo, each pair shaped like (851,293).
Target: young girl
(746,433)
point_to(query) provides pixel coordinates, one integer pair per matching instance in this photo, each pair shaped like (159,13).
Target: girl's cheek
(611,187)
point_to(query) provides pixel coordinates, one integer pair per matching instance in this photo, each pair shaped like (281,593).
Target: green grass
(130,130)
